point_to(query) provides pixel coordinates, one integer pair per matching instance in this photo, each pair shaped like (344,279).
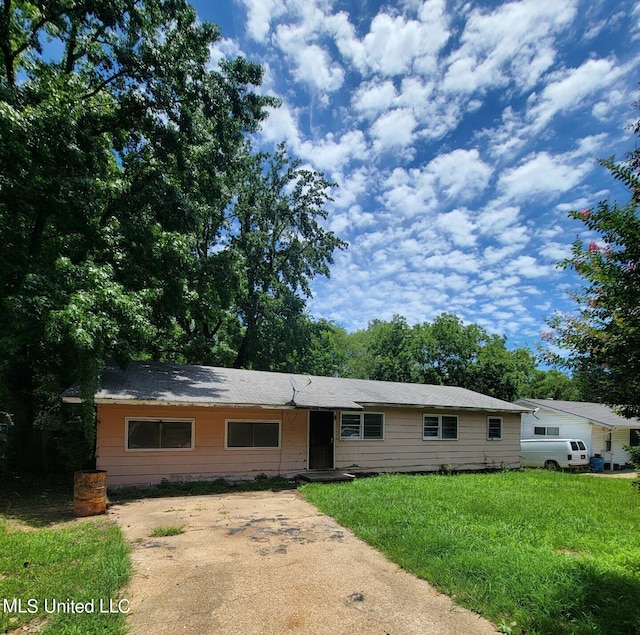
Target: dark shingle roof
(593,412)
(144,382)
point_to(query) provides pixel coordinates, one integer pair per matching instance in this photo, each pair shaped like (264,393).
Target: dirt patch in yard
(269,563)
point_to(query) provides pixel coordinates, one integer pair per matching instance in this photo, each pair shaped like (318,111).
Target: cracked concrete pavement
(270,563)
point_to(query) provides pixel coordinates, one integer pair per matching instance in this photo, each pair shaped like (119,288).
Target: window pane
(240,434)
(449,427)
(372,425)
(495,428)
(175,434)
(350,425)
(253,434)
(265,435)
(553,432)
(574,446)
(143,435)
(430,427)
(581,445)
(634,438)
(539,430)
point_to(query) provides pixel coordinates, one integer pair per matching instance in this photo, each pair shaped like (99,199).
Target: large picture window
(159,434)
(439,427)
(362,425)
(253,434)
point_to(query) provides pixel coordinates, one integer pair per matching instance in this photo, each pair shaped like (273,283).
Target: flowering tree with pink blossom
(601,338)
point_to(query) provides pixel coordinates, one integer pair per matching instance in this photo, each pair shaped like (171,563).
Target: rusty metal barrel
(89,492)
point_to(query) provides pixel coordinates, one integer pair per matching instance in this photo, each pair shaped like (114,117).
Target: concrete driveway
(263,562)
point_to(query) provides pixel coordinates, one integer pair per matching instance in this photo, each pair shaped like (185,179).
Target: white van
(553,454)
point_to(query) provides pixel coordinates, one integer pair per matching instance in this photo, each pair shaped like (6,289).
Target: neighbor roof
(171,384)
(593,412)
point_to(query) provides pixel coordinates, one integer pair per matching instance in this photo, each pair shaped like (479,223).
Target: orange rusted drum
(89,492)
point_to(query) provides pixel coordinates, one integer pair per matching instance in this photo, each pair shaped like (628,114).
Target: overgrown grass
(556,553)
(46,555)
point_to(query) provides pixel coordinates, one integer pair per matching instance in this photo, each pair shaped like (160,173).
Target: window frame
(440,416)
(546,431)
(361,414)
(160,420)
(495,418)
(244,448)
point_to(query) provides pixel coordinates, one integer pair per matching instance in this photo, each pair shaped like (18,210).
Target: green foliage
(135,220)
(280,246)
(553,384)
(601,339)
(446,352)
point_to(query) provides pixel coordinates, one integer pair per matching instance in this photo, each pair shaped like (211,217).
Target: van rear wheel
(551,465)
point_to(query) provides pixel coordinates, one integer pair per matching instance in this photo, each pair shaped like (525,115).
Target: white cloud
(541,175)
(259,16)
(331,154)
(395,45)
(281,125)
(571,89)
(372,98)
(394,129)
(514,43)
(461,173)
(458,226)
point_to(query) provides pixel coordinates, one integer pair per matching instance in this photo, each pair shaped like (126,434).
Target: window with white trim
(439,427)
(362,425)
(159,434)
(252,434)
(546,431)
(494,428)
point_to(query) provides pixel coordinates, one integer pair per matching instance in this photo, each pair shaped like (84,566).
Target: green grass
(556,553)
(171,530)
(45,555)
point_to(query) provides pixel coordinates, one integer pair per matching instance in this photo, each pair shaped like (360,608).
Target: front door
(321,430)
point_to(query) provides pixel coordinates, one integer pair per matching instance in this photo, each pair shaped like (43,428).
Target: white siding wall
(619,439)
(404,450)
(572,427)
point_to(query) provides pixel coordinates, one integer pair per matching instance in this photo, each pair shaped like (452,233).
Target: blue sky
(460,134)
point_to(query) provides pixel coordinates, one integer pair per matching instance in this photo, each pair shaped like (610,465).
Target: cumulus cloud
(512,44)
(571,89)
(542,175)
(393,130)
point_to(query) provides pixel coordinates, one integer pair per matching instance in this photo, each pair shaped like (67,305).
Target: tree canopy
(600,340)
(127,182)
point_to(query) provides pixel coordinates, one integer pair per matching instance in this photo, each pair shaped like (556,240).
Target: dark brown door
(320,440)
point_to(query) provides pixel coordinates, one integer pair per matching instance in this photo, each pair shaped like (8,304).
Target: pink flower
(593,246)
(631,266)
(584,213)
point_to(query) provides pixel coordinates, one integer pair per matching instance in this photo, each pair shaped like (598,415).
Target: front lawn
(61,575)
(555,553)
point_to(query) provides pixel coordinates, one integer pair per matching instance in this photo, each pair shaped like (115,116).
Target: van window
(581,445)
(574,445)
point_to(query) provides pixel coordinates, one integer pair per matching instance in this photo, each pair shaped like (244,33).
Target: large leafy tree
(601,339)
(280,244)
(445,351)
(118,157)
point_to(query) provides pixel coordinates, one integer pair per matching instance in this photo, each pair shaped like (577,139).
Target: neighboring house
(604,432)
(163,421)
